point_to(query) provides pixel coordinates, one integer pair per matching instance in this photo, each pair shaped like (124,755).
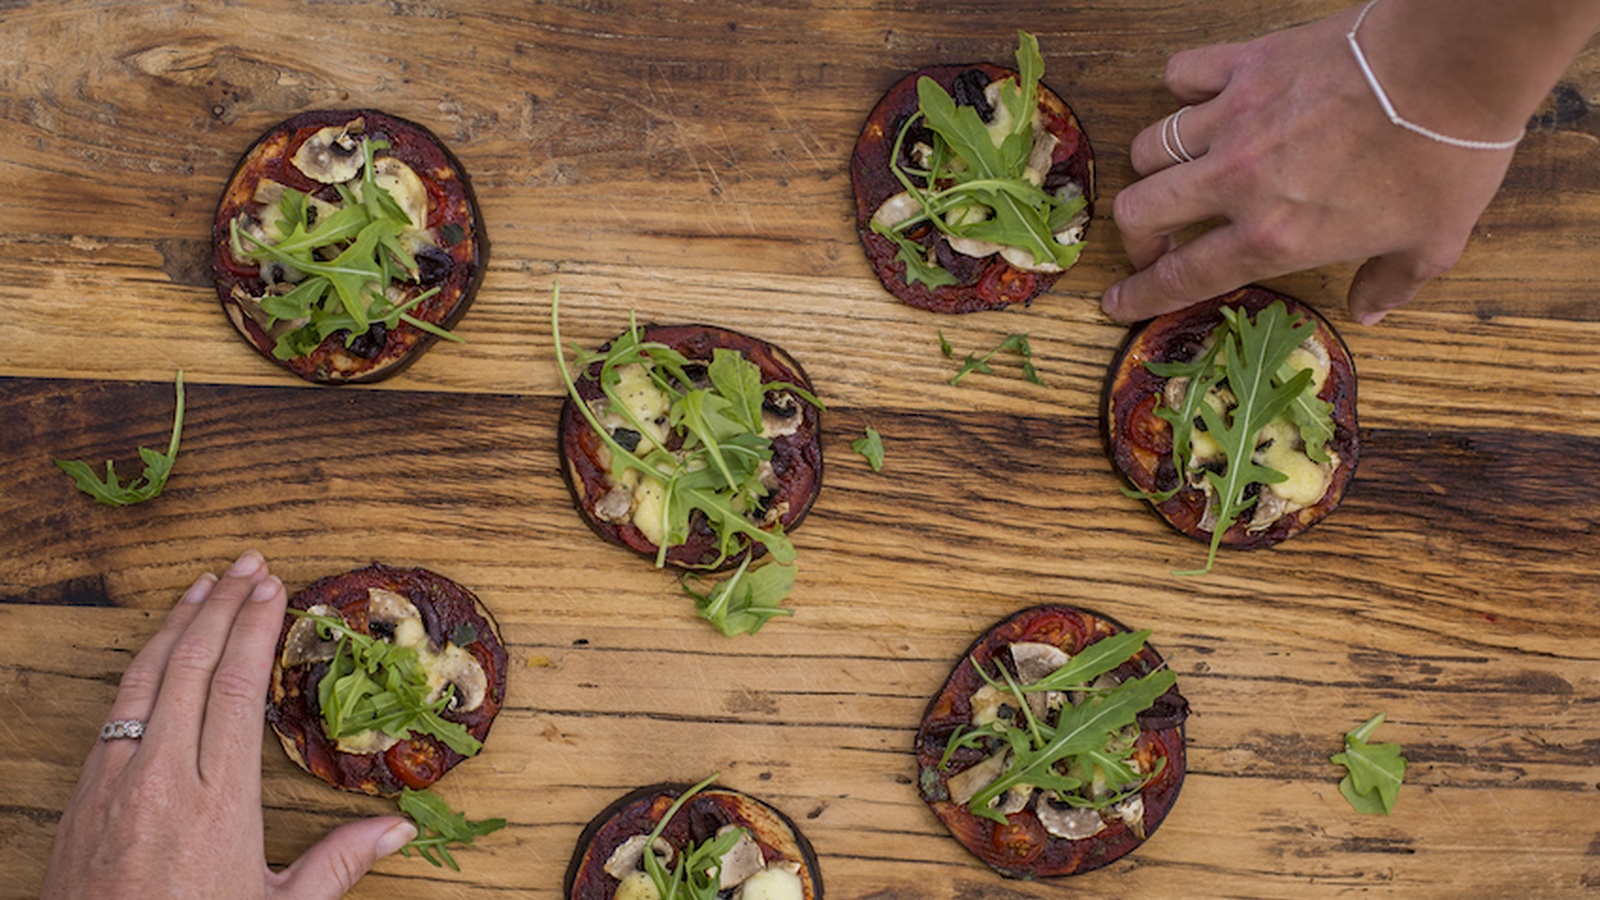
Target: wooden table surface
(689,161)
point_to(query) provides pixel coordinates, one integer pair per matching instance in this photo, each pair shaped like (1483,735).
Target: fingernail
(395,838)
(267,589)
(1108,301)
(1372,318)
(201,589)
(248,563)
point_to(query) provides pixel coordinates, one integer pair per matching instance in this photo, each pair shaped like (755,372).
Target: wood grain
(687,161)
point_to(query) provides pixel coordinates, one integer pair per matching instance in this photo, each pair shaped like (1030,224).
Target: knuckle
(1172,276)
(191,657)
(141,679)
(236,683)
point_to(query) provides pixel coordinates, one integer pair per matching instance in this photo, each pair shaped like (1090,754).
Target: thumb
(334,864)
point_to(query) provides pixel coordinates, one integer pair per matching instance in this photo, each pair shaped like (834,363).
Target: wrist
(1473,69)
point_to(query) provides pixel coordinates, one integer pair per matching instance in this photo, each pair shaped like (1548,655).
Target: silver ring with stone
(132,729)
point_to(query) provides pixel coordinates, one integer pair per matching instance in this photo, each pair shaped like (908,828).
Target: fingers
(230,740)
(1211,264)
(1150,211)
(1196,75)
(333,865)
(1386,283)
(185,683)
(1181,137)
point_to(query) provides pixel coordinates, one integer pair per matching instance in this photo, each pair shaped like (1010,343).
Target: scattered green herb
(157,468)
(1091,735)
(697,874)
(1015,343)
(976,183)
(1249,355)
(1375,770)
(871,447)
(347,292)
(439,827)
(745,600)
(374,684)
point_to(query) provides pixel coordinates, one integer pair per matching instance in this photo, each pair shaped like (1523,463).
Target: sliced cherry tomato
(1148,430)
(1005,283)
(438,203)
(418,762)
(1019,841)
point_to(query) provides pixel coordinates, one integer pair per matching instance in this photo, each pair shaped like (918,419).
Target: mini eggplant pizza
(974,185)
(1056,746)
(710,842)
(385,679)
(694,445)
(345,243)
(1252,376)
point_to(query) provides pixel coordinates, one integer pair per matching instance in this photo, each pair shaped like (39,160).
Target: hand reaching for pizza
(169,801)
(1286,150)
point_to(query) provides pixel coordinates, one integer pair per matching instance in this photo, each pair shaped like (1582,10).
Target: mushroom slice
(1131,812)
(1070,822)
(780,415)
(629,855)
(1014,800)
(1034,662)
(403,185)
(897,209)
(390,608)
(459,668)
(965,784)
(742,860)
(304,645)
(332,155)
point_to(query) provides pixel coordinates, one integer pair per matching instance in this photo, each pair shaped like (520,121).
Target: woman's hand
(177,812)
(1297,163)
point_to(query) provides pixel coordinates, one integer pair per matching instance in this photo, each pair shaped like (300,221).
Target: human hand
(177,813)
(1295,158)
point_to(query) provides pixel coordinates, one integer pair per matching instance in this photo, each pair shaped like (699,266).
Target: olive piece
(969,92)
(433,265)
(370,344)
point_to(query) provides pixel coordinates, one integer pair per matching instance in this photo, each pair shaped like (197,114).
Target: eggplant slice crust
(793,425)
(611,846)
(983,283)
(459,645)
(1139,443)
(1043,838)
(318,153)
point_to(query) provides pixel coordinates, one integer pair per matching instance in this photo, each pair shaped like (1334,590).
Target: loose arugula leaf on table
(439,827)
(745,600)
(157,467)
(1016,343)
(373,684)
(1375,770)
(870,447)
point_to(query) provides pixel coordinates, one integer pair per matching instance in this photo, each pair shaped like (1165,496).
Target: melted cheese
(773,884)
(637,886)
(1308,480)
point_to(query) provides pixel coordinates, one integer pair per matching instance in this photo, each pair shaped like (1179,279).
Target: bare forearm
(1474,68)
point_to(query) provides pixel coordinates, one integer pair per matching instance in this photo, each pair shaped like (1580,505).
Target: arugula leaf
(977,184)
(1016,343)
(741,603)
(871,448)
(716,472)
(157,467)
(1081,729)
(374,684)
(698,872)
(1090,663)
(348,292)
(439,827)
(1375,770)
